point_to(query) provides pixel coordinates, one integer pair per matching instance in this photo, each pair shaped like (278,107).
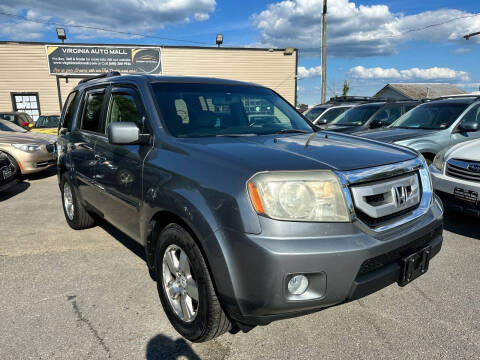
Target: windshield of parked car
(313,113)
(198,110)
(332,114)
(432,116)
(357,116)
(47,122)
(6,125)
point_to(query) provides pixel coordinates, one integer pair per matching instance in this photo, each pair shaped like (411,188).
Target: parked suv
(433,126)
(247,215)
(370,116)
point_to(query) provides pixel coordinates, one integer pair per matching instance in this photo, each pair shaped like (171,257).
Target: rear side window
(69,111)
(92,111)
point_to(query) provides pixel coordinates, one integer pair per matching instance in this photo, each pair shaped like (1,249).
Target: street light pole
(324,51)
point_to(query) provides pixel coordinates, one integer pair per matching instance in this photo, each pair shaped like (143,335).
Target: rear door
(119,167)
(88,130)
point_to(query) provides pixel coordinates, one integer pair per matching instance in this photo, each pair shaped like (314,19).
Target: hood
(325,150)
(391,135)
(10,137)
(469,150)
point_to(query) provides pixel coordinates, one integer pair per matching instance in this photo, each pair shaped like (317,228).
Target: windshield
(47,122)
(198,110)
(433,116)
(8,126)
(356,116)
(332,114)
(313,113)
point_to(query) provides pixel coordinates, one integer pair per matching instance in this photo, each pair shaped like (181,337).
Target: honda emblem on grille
(400,195)
(474,168)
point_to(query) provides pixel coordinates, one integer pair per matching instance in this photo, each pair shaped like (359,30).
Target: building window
(26,102)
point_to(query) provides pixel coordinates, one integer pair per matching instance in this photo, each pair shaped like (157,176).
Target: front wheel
(185,287)
(75,213)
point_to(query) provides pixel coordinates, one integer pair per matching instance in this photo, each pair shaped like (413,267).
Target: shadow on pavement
(124,239)
(42,174)
(162,347)
(461,224)
(14,190)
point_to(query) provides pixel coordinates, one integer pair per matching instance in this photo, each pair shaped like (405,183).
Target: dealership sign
(91,60)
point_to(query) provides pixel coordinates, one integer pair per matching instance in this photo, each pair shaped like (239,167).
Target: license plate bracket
(414,265)
(466,195)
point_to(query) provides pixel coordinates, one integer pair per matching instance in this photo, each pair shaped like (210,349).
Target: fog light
(298,284)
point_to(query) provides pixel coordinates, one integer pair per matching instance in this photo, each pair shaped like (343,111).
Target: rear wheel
(77,216)
(185,287)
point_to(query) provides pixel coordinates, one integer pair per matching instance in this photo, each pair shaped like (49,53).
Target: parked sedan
(30,152)
(456,176)
(20,118)
(8,172)
(47,124)
(433,126)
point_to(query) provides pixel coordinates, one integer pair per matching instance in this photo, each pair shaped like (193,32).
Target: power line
(433,25)
(99,29)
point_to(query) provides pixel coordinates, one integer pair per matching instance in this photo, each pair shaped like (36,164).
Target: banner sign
(91,60)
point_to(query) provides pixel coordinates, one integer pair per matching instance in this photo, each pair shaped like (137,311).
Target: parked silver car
(456,176)
(433,126)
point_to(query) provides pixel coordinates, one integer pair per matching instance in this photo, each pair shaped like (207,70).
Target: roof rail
(352,99)
(101,76)
(456,96)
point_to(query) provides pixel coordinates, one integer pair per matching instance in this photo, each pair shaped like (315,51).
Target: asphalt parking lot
(87,295)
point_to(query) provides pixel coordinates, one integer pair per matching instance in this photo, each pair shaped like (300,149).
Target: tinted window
(124,108)
(92,112)
(195,110)
(434,116)
(473,115)
(313,113)
(69,112)
(8,117)
(356,116)
(331,115)
(47,122)
(388,115)
(5,125)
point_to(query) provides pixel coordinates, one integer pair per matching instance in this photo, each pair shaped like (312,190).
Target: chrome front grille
(386,197)
(462,169)
(401,192)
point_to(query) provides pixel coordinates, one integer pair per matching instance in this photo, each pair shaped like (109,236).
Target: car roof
(455,100)
(12,112)
(161,79)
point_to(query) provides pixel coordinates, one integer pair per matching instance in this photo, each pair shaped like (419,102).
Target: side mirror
(123,133)
(377,123)
(469,126)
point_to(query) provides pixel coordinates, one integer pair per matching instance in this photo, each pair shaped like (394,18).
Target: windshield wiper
(236,134)
(293,131)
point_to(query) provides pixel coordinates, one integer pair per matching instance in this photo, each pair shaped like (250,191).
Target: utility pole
(324,51)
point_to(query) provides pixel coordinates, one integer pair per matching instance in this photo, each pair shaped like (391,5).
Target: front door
(119,167)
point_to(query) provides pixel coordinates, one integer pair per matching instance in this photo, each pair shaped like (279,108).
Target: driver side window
(473,116)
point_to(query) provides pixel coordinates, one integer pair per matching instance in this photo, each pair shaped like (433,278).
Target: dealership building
(37,77)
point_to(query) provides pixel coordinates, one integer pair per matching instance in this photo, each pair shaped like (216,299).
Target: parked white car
(456,176)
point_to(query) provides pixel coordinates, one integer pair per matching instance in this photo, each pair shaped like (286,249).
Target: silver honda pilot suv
(248,214)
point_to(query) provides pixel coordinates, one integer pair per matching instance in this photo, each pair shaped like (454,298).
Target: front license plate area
(466,195)
(414,266)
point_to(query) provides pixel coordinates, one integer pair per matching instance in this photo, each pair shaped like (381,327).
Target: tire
(18,172)
(209,320)
(81,218)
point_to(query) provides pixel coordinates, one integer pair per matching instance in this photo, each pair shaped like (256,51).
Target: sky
(369,42)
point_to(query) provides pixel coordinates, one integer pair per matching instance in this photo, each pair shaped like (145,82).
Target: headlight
(26,147)
(439,160)
(298,196)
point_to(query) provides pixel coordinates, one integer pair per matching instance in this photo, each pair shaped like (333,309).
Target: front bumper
(445,188)
(343,261)
(37,161)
